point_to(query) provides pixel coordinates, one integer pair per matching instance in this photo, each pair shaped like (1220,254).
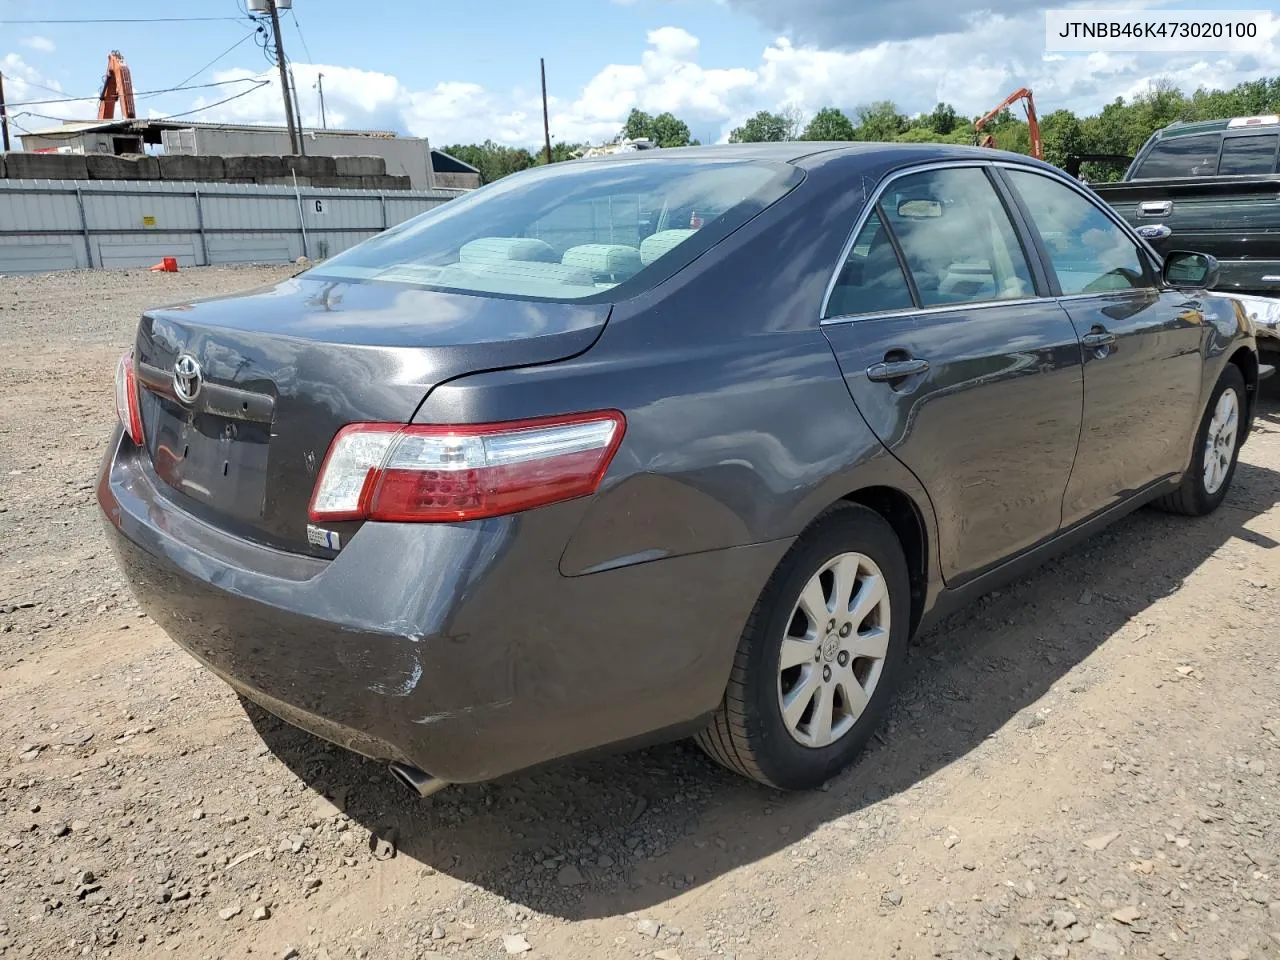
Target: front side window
(1256,154)
(1088,252)
(1195,156)
(956,237)
(570,231)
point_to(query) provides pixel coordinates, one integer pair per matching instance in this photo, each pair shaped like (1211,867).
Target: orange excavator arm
(117,85)
(1033,122)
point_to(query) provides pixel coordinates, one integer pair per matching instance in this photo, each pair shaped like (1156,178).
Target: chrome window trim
(1123,292)
(965,305)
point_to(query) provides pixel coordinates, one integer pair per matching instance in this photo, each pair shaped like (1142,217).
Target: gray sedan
(687,442)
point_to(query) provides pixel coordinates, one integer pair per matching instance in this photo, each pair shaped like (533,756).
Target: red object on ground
(167,265)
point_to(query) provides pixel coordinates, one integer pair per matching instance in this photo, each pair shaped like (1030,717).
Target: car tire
(1202,491)
(760,728)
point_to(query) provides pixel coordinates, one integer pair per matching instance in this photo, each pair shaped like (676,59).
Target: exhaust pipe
(421,783)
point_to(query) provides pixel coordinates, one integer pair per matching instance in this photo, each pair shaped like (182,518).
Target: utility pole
(284,77)
(297,112)
(320,86)
(546,122)
(4,116)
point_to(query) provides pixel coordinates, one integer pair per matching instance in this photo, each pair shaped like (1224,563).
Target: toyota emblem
(186,378)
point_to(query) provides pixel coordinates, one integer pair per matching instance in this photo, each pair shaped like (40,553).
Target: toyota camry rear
(363,496)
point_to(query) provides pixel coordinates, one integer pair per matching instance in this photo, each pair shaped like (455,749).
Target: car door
(1142,356)
(961,367)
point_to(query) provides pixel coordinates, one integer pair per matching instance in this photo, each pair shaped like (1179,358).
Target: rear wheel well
(1247,361)
(901,513)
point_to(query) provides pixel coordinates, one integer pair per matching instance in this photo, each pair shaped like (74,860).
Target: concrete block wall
(351,173)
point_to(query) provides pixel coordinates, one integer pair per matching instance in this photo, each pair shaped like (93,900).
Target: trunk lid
(242,395)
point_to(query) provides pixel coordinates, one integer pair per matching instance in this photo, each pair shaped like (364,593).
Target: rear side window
(571,231)
(1088,252)
(956,237)
(1256,154)
(1195,156)
(871,280)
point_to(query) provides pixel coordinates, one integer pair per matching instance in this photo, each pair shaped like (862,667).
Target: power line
(298,26)
(128,20)
(33,83)
(144,93)
(247,36)
(217,103)
(258,85)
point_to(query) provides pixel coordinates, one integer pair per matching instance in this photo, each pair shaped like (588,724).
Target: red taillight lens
(440,474)
(128,407)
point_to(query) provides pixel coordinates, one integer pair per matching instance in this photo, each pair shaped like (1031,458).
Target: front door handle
(896,370)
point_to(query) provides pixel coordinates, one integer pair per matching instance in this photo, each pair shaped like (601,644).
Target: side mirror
(1191,271)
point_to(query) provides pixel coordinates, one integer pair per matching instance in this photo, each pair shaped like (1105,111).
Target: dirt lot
(1086,764)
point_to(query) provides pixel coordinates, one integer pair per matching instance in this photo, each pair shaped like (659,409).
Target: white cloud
(40,44)
(972,67)
(23,83)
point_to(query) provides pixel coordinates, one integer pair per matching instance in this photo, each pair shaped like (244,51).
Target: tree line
(1119,129)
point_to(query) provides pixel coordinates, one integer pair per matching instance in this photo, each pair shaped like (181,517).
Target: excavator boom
(1033,122)
(117,86)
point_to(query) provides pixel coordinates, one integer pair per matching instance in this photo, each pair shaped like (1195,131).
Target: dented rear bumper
(456,648)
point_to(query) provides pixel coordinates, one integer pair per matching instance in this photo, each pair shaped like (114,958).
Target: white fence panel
(69,224)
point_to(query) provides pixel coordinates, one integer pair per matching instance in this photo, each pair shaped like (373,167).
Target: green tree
(560,151)
(493,160)
(1062,136)
(828,124)
(879,121)
(667,131)
(638,126)
(764,127)
(943,119)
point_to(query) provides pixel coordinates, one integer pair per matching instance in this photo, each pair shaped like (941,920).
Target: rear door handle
(1099,338)
(896,370)
(1155,208)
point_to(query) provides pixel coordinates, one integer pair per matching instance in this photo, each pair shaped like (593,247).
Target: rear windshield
(1194,156)
(570,231)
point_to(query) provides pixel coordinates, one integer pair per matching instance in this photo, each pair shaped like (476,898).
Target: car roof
(797,151)
(1238,125)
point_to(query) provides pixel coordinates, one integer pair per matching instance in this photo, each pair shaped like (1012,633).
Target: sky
(465,72)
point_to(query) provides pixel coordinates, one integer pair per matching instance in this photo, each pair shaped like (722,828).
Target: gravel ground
(1085,764)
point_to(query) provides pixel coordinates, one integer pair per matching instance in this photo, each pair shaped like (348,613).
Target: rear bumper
(459,648)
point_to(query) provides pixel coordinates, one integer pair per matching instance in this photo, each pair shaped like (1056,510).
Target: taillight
(128,408)
(429,473)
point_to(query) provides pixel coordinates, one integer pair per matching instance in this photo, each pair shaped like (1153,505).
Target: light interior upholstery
(516,277)
(502,249)
(664,241)
(612,259)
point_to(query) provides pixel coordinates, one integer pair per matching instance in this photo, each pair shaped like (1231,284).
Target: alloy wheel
(1220,441)
(833,650)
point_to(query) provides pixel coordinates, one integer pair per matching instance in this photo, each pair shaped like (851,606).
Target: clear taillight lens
(128,407)
(431,473)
